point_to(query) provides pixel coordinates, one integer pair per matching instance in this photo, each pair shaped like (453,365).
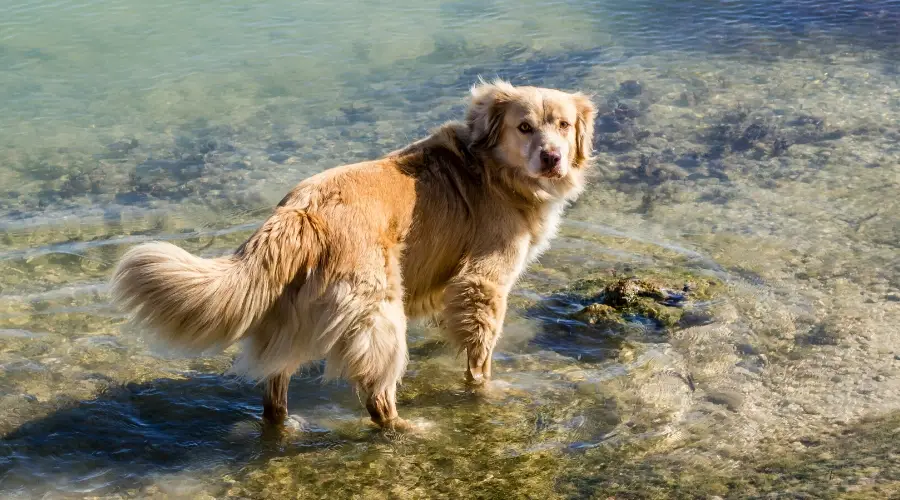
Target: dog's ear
(584,129)
(485,114)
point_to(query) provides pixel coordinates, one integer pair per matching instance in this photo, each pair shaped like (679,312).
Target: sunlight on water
(747,175)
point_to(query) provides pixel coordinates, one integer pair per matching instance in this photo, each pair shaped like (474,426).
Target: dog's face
(542,133)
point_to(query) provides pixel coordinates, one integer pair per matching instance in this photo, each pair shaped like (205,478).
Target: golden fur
(442,228)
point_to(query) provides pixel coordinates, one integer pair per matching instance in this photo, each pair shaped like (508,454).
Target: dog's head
(540,134)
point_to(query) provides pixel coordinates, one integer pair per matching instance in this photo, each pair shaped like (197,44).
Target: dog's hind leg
(275,398)
(382,407)
(371,351)
(374,360)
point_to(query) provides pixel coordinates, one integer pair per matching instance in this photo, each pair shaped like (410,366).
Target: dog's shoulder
(445,148)
(443,165)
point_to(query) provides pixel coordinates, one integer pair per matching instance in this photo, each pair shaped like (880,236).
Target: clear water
(752,143)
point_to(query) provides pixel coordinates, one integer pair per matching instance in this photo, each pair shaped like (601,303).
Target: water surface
(748,144)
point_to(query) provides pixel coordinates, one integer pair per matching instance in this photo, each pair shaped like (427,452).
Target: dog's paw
(492,389)
(478,370)
(403,427)
(290,427)
(397,425)
(296,423)
(476,379)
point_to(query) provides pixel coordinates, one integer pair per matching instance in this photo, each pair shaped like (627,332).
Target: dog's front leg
(475,308)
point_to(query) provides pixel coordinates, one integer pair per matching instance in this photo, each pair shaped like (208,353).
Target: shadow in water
(120,439)
(565,335)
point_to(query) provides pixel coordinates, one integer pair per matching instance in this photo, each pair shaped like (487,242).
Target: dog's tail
(196,304)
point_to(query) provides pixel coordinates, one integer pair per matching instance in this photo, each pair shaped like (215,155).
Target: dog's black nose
(550,159)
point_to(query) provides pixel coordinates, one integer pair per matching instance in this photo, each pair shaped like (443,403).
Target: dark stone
(746,349)
(76,184)
(189,167)
(287,145)
(279,157)
(131,198)
(780,146)
(688,160)
(833,135)
(359,113)
(729,399)
(624,112)
(804,120)
(631,88)
(824,334)
(608,125)
(124,146)
(750,135)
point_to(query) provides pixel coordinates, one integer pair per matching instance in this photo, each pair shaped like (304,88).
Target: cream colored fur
(443,227)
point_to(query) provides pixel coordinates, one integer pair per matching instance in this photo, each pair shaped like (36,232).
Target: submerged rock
(625,292)
(729,399)
(598,313)
(659,298)
(631,88)
(124,146)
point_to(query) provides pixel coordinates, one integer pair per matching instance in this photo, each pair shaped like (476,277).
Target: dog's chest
(544,229)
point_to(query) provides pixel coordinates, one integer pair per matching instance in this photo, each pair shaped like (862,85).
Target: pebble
(746,349)
(587,388)
(631,88)
(279,157)
(730,399)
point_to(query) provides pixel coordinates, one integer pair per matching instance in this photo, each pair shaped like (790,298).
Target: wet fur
(442,228)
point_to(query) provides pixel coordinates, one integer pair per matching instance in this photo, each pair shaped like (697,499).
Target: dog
(440,229)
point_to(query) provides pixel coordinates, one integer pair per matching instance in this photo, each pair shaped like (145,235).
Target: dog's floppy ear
(584,129)
(485,114)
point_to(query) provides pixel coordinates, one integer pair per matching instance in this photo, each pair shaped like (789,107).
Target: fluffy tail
(197,304)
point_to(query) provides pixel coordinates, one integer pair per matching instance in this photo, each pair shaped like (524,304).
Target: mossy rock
(628,291)
(700,287)
(599,314)
(659,296)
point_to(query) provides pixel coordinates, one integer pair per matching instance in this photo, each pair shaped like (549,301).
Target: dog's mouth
(554,172)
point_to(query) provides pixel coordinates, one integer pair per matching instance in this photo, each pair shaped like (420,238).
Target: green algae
(597,313)
(656,295)
(490,463)
(494,461)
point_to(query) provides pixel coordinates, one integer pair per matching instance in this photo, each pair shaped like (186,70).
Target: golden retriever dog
(441,229)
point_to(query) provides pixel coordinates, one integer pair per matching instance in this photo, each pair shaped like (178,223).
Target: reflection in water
(747,158)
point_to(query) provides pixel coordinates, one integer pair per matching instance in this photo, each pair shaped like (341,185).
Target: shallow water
(750,144)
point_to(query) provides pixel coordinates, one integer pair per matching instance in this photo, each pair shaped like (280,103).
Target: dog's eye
(564,125)
(525,128)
